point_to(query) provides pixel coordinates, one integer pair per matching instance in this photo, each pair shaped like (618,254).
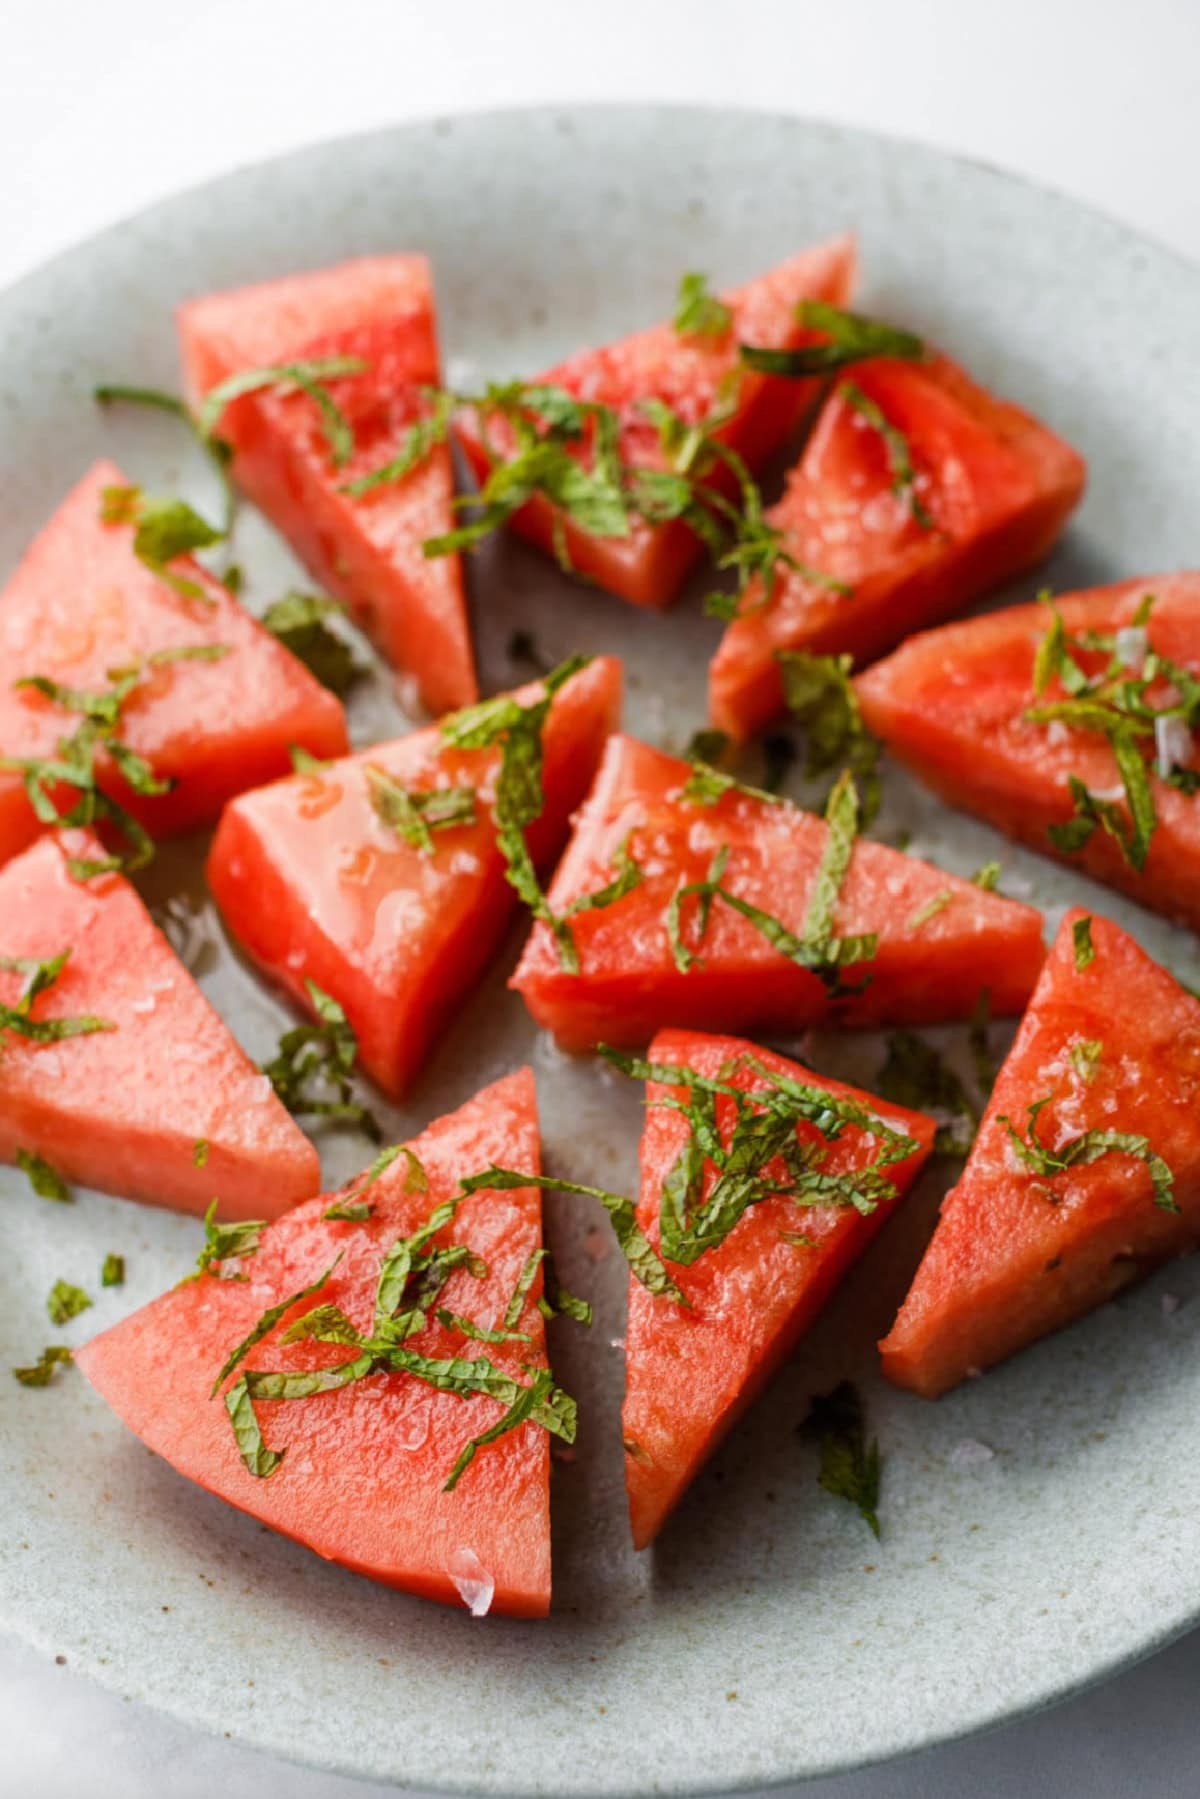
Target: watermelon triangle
(362,1476)
(124,1109)
(691,374)
(315,885)
(691,1372)
(366,548)
(81,604)
(1018,1252)
(951,705)
(993,489)
(941,940)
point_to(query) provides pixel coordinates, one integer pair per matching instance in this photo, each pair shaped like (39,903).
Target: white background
(107,104)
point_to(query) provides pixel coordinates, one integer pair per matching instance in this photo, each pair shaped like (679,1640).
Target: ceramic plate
(769,1636)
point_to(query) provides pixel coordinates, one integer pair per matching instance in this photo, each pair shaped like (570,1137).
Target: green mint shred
(850,1466)
(847,337)
(312,1069)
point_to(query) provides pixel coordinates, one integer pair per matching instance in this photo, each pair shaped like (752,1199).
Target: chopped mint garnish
(312,1068)
(46,1181)
(850,1466)
(848,337)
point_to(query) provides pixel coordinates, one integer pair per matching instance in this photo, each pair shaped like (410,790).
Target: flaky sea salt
(971,1453)
(1131,645)
(1172,744)
(476,1586)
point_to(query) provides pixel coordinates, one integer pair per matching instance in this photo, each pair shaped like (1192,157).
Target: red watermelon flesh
(690,1374)
(995,486)
(313,884)
(1018,1253)
(926,968)
(81,604)
(363,1470)
(951,705)
(690,373)
(365,549)
(124,1109)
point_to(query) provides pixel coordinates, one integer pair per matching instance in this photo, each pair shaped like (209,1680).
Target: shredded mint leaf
(226,1243)
(622,1212)
(304,762)
(260,1460)
(699,313)
(43,1370)
(200,1152)
(849,337)
(520,797)
(557,1302)
(74,765)
(324,1324)
(312,1068)
(415,814)
(930,909)
(40,976)
(65,1302)
(267,1322)
(520,1293)
(987,877)
(478,1333)
(914,1075)
(850,1466)
(1085,1056)
(1088,1147)
(1085,952)
(309,378)
(46,1181)
(762,1158)
(216,449)
(348,1211)
(298,620)
(1138,700)
(821,698)
(628,875)
(112,1271)
(904,475)
(707,784)
(417,443)
(164,528)
(816,949)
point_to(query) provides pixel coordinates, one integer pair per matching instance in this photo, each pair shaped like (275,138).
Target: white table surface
(107,104)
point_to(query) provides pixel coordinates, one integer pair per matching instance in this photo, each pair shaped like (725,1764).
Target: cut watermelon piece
(363,1470)
(366,548)
(314,885)
(125,1109)
(81,605)
(1113,1045)
(691,1373)
(691,374)
(941,940)
(991,491)
(951,705)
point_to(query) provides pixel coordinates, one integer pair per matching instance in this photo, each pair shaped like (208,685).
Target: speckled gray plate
(769,1636)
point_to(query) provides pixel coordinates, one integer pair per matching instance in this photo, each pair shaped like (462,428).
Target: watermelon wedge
(315,885)
(941,940)
(690,373)
(1110,1044)
(887,548)
(126,1108)
(81,605)
(364,1467)
(952,705)
(365,548)
(692,1371)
